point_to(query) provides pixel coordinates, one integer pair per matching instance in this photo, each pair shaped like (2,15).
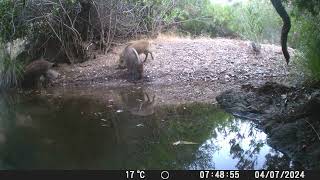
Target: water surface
(127,131)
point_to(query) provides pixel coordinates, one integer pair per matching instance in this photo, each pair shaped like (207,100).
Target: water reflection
(238,145)
(138,102)
(79,132)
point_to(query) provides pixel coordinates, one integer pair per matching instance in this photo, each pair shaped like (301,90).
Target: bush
(205,18)
(309,43)
(11,22)
(11,70)
(304,36)
(257,21)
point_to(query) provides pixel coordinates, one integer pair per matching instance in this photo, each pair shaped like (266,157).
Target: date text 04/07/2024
(258,174)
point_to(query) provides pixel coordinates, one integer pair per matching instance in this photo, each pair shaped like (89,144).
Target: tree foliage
(12,24)
(307,18)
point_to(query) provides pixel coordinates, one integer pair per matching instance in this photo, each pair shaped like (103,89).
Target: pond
(127,131)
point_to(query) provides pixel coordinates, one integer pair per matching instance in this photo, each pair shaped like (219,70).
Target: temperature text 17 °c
(135,174)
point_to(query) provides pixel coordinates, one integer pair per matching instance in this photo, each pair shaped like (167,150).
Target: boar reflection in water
(138,102)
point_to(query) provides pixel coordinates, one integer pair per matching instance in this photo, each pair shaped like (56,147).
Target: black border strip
(156,174)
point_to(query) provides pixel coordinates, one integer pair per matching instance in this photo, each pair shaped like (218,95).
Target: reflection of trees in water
(247,148)
(248,157)
(203,158)
(278,161)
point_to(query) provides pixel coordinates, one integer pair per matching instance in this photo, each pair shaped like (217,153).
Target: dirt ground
(183,69)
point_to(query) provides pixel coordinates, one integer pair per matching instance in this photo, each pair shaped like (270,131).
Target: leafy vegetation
(197,18)
(307,36)
(257,21)
(10,69)
(12,25)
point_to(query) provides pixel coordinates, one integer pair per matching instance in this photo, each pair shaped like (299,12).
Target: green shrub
(10,69)
(12,25)
(309,43)
(257,21)
(203,18)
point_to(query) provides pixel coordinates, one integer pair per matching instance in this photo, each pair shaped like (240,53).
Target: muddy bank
(289,115)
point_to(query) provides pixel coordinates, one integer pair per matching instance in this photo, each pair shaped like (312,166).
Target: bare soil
(183,69)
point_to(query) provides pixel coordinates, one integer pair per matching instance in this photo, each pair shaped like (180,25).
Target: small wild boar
(133,63)
(141,46)
(33,72)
